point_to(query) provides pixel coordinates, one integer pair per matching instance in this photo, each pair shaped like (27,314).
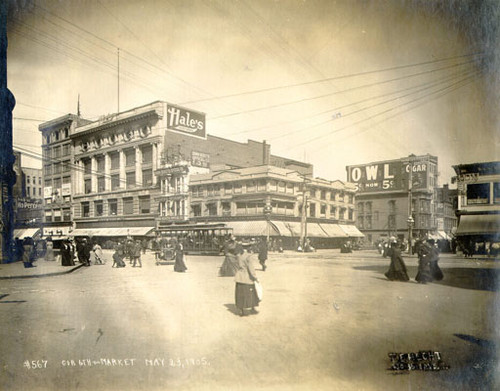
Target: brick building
(396,196)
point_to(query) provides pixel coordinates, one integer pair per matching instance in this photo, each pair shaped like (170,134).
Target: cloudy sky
(334,83)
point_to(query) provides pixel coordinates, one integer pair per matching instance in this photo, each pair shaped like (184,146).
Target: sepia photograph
(250,195)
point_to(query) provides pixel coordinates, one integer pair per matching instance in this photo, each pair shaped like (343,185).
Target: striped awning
(252,228)
(351,231)
(334,230)
(114,232)
(27,233)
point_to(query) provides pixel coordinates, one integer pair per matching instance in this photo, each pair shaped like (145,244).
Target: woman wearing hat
(245,294)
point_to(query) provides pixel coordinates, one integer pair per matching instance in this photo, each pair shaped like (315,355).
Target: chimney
(265,153)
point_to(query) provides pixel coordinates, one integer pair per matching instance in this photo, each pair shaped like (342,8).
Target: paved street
(327,321)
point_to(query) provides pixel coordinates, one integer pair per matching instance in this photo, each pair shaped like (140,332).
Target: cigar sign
(182,120)
(391,176)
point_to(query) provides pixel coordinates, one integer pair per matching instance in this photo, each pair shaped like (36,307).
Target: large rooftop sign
(186,121)
(389,176)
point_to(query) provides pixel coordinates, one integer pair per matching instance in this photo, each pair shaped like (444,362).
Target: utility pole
(7,175)
(303,220)
(410,214)
(118,81)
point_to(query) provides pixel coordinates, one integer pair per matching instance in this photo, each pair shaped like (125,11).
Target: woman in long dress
(230,264)
(49,250)
(179,265)
(397,269)
(245,294)
(424,274)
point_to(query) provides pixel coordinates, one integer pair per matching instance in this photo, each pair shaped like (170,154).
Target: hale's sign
(180,119)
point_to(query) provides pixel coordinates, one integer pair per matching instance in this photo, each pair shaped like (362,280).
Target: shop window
(147,154)
(147,178)
(112,207)
(115,182)
(130,157)
(312,210)
(196,210)
(100,163)
(496,193)
(128,206)
(211,209)
(226,208)
(130,179)
(115,160)
(99,208)
(101,183)
(478,193)
(144,205)
(88,186)
(85,209)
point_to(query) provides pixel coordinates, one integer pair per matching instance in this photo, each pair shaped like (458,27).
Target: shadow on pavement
(457,277)
(232,308)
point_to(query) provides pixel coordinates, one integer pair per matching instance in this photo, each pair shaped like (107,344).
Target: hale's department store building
(140,171)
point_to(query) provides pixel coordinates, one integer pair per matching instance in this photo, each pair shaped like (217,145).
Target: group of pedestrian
(428,268)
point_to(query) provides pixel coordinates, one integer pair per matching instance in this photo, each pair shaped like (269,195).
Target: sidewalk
(42,269)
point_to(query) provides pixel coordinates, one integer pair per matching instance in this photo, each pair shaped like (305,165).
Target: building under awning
(22,233)
(487,224)
(443,235)
(114,232)
(252,228)
(351,231)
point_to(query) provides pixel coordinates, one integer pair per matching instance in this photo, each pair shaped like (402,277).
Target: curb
(42,275)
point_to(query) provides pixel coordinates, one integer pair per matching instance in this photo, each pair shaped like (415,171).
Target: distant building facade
(478,206)
(396,196)
(130,173)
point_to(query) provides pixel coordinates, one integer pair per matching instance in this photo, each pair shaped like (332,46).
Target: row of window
(263,185)
(57,168)
(56,135)
(129,182)
(57,152)
(58,215)
(480,193)
(111,207)
(30,179)
(130,159)
(32,191)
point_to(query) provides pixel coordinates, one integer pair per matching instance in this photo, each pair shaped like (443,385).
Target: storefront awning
(252,228)
(351,231)
(114,232)
(27,233)
(314,230)
(443,235)
(282,228)
(333,230)
(479,225)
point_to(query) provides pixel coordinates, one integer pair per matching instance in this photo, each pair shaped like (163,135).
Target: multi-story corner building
(396,197)
(58,168)
(478,206)
(116,176)
(275,202)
